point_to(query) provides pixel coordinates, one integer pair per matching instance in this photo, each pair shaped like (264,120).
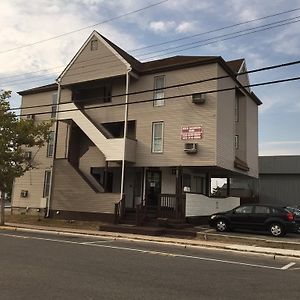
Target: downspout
(54,152)
(125,132)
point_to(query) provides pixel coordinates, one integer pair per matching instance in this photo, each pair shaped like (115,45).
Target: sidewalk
(203,239)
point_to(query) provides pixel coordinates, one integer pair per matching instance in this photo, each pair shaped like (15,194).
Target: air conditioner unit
(198,98)
(30,117)
(28,155)
(191,147)
(24,193)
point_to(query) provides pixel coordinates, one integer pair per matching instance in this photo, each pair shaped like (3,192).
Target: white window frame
(161,150)
(159,94)
(54,105)
(236,142)
(47,184)
(50,145)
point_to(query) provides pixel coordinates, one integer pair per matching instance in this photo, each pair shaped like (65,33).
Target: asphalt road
(45,266)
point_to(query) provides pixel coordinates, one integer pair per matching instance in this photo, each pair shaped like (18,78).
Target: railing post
(116,219)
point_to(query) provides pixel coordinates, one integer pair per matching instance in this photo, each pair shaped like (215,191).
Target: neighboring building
(178,139)
(279,180)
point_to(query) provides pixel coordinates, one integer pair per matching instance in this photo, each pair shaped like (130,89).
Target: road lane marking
(91,244)
(288,266)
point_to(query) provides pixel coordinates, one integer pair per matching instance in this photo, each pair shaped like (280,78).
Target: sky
(24,63)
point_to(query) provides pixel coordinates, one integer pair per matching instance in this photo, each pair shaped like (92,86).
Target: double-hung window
(54,105)
(157,137)
(50,145)
(47,178)
(159,94)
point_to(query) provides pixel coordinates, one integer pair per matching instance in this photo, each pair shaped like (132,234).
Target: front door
(153,187)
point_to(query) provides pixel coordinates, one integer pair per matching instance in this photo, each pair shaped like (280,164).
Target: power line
(215,30)
(169,97)
(236,34)
(84,28)
(231,37)
(291,63)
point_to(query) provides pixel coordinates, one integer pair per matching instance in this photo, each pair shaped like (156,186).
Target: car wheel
(221,225)
(276,229)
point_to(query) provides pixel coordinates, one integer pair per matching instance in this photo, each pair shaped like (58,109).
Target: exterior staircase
(112,148)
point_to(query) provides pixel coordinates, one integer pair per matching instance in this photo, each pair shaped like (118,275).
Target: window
(54,105)
(89,95)
(157,137)
(237,108)
(159,94)
(47,179)
(244,210)
(94,45)
(262,210)
(50,145)
(236,142)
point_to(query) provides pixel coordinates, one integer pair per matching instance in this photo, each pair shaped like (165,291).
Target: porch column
(207,184)
(228,187)
(179,191)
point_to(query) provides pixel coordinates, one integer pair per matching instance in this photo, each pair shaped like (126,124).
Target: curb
(206,240)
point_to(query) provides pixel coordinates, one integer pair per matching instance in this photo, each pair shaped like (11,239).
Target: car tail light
(290,216)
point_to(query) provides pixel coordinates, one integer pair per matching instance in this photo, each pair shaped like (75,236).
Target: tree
(16,135)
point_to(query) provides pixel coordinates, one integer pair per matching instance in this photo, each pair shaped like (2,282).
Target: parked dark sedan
(277,220)
(296,212)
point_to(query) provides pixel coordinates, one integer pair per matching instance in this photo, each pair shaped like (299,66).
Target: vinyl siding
(252,137)
(72,193)
(225,123)
(176,113)
(92,65)
(33,180)
(247,128)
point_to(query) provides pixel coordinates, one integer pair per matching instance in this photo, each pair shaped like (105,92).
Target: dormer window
(94,45)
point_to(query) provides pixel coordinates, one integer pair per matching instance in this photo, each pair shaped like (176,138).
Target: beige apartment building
(139,137)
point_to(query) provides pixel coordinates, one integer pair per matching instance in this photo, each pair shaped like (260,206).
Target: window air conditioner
(30,117)
(198,98)
(191,147)
(24,193)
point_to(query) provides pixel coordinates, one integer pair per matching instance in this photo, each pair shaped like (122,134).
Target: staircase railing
(170,206)
(119,210)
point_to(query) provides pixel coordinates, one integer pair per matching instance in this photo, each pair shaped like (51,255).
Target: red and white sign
(191,132)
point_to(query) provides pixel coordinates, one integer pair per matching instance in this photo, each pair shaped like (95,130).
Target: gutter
(54,152)
(125,131)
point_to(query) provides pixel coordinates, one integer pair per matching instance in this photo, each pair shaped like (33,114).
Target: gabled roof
(175,62)
(235,65)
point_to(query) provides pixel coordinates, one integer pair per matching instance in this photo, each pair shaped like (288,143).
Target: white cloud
(185,27)
(162,26)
